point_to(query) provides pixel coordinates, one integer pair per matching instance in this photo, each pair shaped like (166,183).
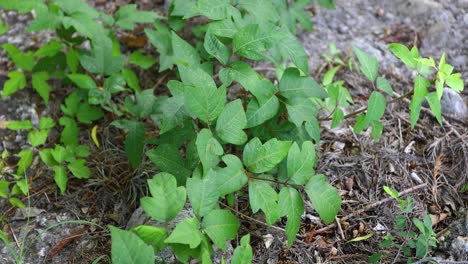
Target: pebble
(453,104)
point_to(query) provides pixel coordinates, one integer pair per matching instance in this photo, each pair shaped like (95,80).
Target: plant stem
(250,175)
(408,94)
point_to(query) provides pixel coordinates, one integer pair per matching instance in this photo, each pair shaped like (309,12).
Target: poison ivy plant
(220,131)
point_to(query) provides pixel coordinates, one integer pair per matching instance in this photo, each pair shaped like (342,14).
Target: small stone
(342,29)
(453,104)
(459,248)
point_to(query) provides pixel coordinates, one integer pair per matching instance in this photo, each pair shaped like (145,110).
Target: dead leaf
(134,41)
(349,183)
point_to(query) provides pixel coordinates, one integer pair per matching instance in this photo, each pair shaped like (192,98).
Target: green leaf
(73,60)
(369,64)
(204,101)
(393,193)
(292,85)
(243,253)
(60,178)
(167,199)
(82,151)
(4,188)
(167,158)
(23,6)
(23,186)
(262,10)
(16,81)
(329,75)
(78,169)
(216,48)
(402,52)
(375,107)
(232,177)
(70,107)
(39,83)
(262,158)
(46,123)
(338,116)
(214,9)
(360,124)
(421,85)
(22,61)
(327,3)
(152,235)
(291,48)
(290,203)
(313,129)
(384,85)
(60,154)
(38,137)
(128,248)
(131,79)
(300,110)
(20,125)
(257,113)
(259,86)
(203,194)
(134,141)
(263,196)
(253,40)
(69,135)
(145,103)
(47,158)
(209,150)
(174,113)
(377,128)
(137,58)
(220,225)
(223,28)
(231,123)
(434,104)
(3,28)
(102,61)
(455,82)
(186,232)
(87,113)
(26,157)
(300,163)
(17,202)
(49,49)
(161,39)
(184,54)
(324,197)
(82,80)
(127,16)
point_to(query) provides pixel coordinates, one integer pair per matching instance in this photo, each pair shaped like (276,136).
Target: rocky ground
(429,163)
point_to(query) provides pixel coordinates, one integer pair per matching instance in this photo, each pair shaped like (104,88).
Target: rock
(453,104)
(459,248)
(417,8)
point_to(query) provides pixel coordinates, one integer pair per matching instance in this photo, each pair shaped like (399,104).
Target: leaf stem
(251,176)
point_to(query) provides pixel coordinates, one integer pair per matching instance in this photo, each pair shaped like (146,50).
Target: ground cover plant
(213,143)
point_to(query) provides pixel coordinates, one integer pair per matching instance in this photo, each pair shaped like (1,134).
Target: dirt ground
(428,163)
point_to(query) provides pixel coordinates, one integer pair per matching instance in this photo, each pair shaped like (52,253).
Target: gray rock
(459,248)
(453,104)
(416,8)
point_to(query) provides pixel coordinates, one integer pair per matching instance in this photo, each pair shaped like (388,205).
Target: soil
(428,163)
